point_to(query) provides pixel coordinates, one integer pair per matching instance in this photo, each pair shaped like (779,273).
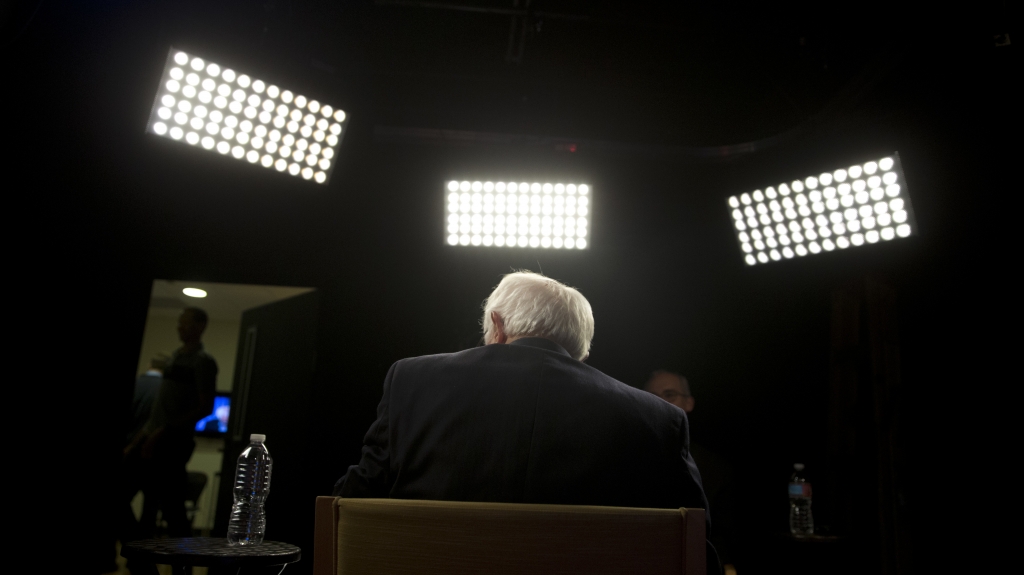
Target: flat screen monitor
(216,423)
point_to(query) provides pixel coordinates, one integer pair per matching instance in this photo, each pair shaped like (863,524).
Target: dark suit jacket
(523,423)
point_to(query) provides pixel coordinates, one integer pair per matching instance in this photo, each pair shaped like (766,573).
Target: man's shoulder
(205,357)
(474,354)
(513,358)
(485,354)
(183,355)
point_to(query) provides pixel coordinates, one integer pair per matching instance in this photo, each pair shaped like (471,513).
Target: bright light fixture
(517,214)
(202,104)
(194,292)
(863,204)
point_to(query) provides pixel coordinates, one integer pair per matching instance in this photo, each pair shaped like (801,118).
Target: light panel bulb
(542,215)
(863,204)
(234,113)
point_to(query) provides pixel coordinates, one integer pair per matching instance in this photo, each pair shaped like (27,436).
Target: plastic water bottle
(252,483)
(801,521)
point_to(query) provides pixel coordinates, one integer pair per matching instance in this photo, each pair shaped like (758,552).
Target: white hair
(532,305)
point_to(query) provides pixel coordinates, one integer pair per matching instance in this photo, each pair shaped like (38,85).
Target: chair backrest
(397,536)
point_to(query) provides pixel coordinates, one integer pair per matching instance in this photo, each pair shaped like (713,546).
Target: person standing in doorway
(157,455)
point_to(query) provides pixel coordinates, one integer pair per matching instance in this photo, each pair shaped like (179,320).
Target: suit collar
(541,343)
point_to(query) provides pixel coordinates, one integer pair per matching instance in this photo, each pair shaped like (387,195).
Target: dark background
(671,110)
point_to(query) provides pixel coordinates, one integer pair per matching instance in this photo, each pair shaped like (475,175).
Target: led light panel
(863,204)
(204,105)
(517,214)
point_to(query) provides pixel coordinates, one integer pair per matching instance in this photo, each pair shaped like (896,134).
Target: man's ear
(498,335)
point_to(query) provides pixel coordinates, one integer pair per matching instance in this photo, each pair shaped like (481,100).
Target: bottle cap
(259,437)
(797,466)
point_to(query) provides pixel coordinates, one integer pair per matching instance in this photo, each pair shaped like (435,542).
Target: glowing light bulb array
(863,204)
(218,109)
(513,214)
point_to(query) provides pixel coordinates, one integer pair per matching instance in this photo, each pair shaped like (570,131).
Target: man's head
(671,387)
(191,324)
(526,304)
(223,412)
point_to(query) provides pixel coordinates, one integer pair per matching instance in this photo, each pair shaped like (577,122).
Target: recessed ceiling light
(194,292)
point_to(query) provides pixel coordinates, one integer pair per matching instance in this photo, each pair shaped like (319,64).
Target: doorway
(224,304)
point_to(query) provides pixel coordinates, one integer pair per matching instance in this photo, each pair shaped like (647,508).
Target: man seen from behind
(523,420)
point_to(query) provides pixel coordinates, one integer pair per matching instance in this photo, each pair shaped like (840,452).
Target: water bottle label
(800,490)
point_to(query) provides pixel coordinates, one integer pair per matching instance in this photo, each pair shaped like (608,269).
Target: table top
(815,538)
(210,551)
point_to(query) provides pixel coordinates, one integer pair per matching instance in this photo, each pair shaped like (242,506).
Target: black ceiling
(658,73)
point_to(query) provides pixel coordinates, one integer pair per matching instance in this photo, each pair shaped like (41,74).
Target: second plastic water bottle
(801,521)
(252,483)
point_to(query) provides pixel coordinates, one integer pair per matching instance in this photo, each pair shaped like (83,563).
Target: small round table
(185,552)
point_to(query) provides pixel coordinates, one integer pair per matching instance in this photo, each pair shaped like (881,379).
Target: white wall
(207,459)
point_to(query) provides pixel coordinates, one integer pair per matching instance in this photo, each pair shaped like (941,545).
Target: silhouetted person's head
(191,324)
(223,413)
(671,387)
